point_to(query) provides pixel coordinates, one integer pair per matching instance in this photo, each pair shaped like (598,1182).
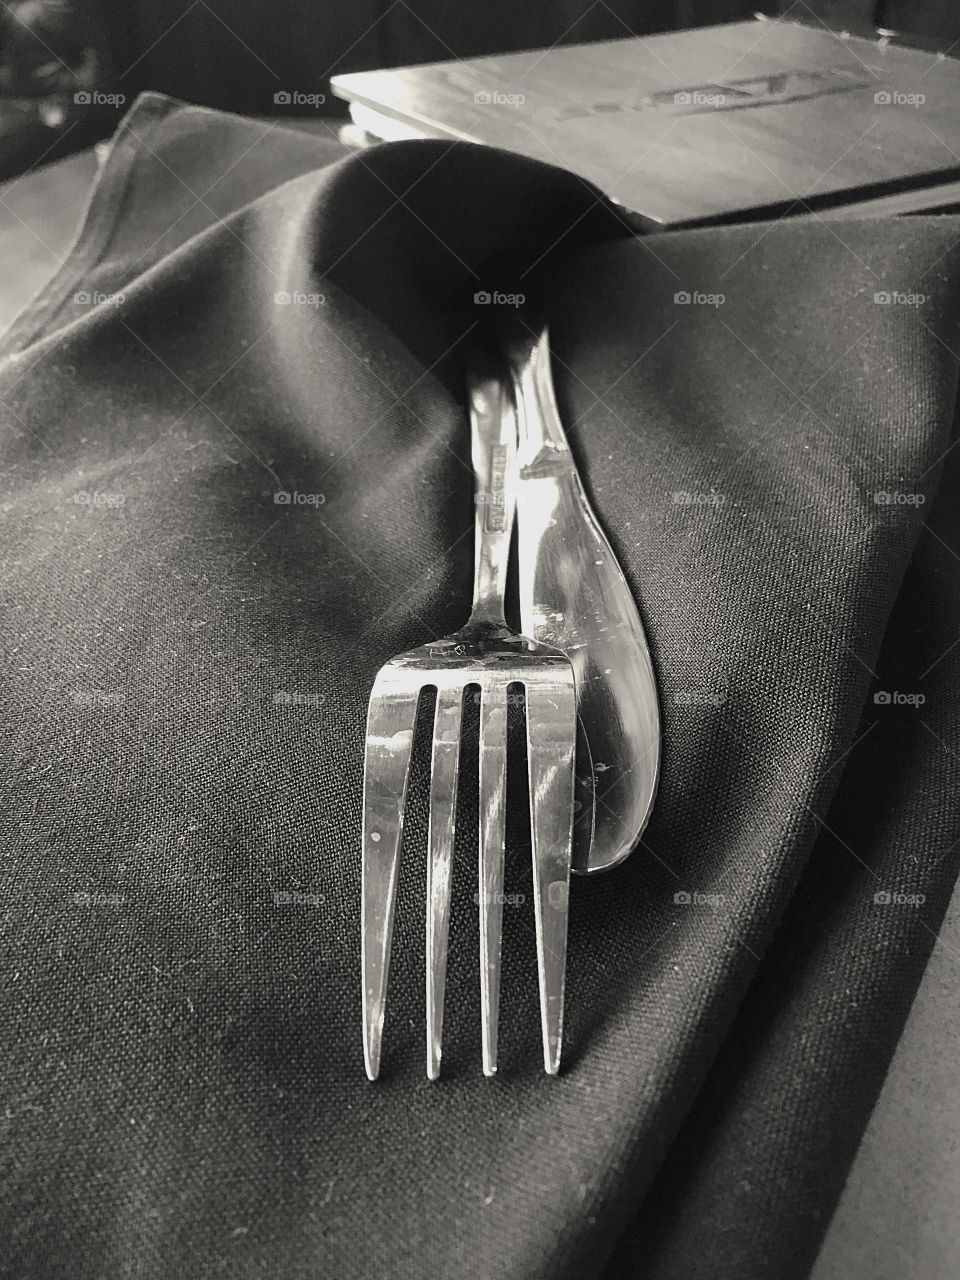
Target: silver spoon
(573,595)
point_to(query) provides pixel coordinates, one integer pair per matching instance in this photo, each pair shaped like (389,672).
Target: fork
(487,654)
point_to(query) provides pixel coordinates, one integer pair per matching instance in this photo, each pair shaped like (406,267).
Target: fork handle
(493,442)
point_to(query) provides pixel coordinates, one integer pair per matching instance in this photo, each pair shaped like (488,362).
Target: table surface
(899,1202)
(697,124)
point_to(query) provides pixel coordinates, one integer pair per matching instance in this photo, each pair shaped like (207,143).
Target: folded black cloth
(235,480)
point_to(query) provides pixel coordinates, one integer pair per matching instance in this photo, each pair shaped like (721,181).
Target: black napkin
(236,480)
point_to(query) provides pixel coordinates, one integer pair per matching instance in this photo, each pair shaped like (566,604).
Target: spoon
(573,595)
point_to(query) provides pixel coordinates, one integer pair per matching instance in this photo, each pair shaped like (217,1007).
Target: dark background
(235,54)
(239,55)
(202,58)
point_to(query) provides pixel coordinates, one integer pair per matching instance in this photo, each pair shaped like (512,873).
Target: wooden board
(694,125)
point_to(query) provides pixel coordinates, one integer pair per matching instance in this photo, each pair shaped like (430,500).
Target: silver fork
(487,654)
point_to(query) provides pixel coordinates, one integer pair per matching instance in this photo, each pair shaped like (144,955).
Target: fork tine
(444,765)
(551,721)
(493,785)
(391,719)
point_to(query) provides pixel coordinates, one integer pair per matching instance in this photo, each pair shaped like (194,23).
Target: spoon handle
(573,595)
